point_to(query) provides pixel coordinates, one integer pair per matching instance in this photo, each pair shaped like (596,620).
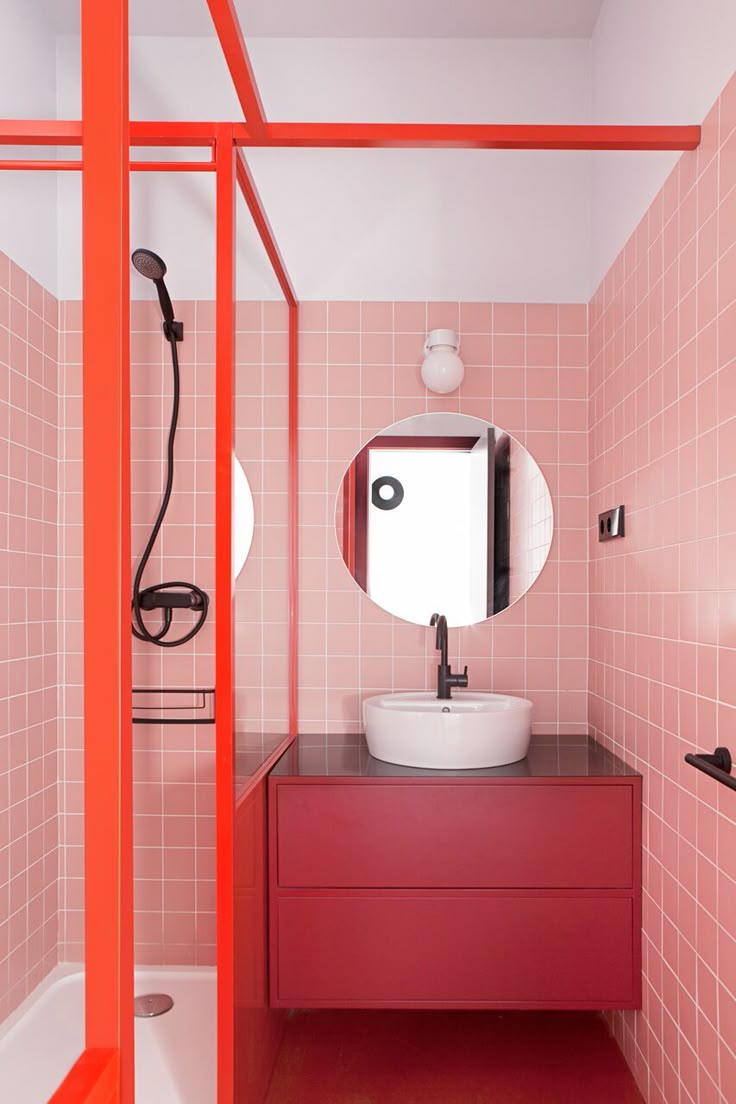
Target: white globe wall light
(443,370)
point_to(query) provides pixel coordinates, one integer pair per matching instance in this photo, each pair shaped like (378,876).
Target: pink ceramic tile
(410,318)
(660,677)
(29,641)
(392,654)
(376,317)
(343,317)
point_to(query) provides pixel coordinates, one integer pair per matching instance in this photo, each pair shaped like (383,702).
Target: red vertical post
(107,647)
(293,486)
(224,704)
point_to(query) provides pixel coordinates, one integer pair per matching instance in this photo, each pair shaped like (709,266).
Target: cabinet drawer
(448,836)
(466,949)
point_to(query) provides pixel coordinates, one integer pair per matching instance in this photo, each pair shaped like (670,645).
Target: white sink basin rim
(465,732)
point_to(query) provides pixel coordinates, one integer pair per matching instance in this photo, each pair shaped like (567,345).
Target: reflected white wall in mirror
(243,518)
(444,513)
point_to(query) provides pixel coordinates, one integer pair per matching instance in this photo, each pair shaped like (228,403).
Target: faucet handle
(462,680)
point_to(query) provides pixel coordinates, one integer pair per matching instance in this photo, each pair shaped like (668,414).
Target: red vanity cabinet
(451,892)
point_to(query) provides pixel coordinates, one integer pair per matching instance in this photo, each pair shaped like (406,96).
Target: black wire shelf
(173,705)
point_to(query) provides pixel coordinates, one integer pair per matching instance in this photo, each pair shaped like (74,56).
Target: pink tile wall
(261,443)
(663,600)
(71,621)
(174,860)
(29,841)
(525,371)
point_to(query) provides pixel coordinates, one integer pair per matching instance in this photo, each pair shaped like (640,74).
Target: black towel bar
(718,765)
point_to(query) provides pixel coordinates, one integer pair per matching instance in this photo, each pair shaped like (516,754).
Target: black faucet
(445,677)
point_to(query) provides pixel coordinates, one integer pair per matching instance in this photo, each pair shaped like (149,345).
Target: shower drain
(153,1004)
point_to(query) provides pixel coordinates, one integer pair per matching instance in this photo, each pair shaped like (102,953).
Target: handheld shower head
(151,266)
(165,597)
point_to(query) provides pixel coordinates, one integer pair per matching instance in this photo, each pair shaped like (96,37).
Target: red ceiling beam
(167,133)
(233,46)
(14,132)
(507,136)
(68,132)
(258,214)
(40,132)
(51,166)
(135,166)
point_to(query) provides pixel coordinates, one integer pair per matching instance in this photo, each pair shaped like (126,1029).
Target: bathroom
(239,868)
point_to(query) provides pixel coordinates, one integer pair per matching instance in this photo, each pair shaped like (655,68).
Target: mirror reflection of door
(440,521)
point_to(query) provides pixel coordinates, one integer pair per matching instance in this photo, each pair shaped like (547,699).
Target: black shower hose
(188,596)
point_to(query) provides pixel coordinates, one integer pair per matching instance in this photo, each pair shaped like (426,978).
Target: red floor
(387,1057)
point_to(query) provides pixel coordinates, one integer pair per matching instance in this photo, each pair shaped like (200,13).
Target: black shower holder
(169,705)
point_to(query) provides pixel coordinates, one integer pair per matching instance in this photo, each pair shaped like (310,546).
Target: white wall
(173,214)
(386,224)
(28,91)
(654,61)
(359,224)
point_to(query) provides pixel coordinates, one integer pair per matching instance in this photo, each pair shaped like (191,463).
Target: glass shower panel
(172,215)
(261,641)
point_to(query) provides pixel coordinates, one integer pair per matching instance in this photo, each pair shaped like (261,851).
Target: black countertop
(252,751)
(567,757)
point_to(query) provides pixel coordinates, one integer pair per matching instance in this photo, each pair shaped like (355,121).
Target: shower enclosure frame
(104,1074)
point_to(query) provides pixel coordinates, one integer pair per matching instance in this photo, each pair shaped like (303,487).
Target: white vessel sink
(465,732)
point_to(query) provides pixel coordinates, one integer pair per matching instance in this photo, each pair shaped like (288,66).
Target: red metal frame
(108,755)
(94,1079)
(224,722)
(248,188)
(253,200)
(509,136)
(233,46)
(105,1071)
(135,166)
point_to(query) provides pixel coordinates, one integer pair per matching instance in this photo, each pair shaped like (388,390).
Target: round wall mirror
(243,518)
(444,513)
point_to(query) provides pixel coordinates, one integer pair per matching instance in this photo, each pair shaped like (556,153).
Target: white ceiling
(357,19)
(376,224)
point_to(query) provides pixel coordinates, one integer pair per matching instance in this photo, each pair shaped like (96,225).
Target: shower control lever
(152,599)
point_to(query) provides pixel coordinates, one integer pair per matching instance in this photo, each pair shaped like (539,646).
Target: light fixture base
(437,338)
